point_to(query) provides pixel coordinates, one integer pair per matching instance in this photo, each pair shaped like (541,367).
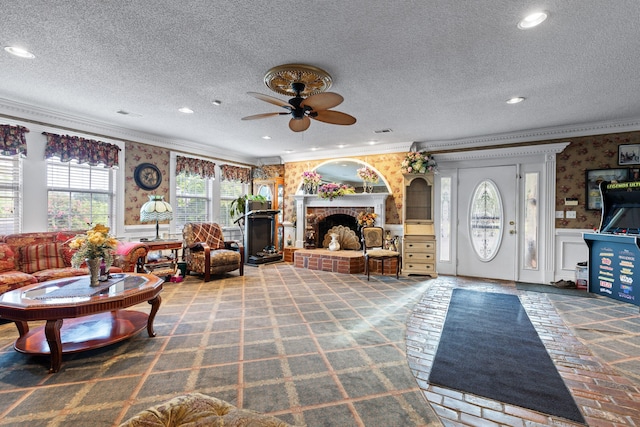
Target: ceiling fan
(302,80)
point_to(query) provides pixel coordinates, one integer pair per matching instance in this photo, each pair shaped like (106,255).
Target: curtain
(236,173)
(83,150)
(12,140)
(191,166)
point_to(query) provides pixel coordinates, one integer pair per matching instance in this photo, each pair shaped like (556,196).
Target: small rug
(549,289)
(490,348)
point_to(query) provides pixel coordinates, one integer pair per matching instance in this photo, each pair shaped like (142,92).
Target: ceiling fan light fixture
(306,85)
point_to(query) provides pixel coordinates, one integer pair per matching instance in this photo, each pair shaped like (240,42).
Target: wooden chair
(373,247)
(206,252)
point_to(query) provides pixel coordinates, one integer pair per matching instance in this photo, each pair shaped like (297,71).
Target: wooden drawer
(418,268)
(411,245)
(419,257)
(418,227)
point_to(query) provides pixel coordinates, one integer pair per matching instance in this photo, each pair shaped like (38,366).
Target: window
(193,199)
(79,195)
(531,221)
(486,220)
(445,219)
(10,194)
(229,191)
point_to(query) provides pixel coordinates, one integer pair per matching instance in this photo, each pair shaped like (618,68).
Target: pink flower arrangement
(311,177)
(418,162)
(367,174)
(332,190)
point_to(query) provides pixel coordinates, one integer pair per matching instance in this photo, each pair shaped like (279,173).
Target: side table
(148,266)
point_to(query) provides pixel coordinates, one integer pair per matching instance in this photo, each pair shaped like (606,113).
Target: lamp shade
(156,209)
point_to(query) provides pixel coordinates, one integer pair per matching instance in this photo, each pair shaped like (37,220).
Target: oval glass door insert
(486,220)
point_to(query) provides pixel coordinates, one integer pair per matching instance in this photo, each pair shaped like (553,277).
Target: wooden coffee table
(93,317)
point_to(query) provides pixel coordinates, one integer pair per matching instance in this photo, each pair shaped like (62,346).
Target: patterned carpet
(310,347)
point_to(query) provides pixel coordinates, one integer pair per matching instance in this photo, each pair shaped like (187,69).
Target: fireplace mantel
(303,201)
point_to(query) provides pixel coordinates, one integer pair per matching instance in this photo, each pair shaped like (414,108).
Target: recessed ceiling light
(314,148)
(533,20)
(185,110)
(288,151)
(515,100)
(372,142)
(266,137)
(216,102)
(17,51)
(341,145)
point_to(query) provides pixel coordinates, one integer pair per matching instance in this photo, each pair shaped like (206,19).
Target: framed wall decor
(594,177)
(629,154)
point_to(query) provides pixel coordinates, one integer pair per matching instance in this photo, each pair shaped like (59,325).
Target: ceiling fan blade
(322,101)
(335,117)
(263,116)
(299,125)
(270,99)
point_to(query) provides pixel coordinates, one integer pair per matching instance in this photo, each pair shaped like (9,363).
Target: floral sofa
(196,409)
(27,258)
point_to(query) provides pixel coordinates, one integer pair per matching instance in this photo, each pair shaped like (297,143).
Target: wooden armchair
(206,252)
(374,249)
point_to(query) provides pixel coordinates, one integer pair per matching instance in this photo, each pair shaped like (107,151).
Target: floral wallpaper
(585,153)
(135,197)
(388,165)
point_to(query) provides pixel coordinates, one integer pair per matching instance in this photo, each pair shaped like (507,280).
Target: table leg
(155,306)
(52,332)
(23,327)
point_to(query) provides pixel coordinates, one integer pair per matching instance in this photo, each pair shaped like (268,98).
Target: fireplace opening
(331,221)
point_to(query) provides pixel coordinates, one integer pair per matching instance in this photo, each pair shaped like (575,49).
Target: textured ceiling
(433,72)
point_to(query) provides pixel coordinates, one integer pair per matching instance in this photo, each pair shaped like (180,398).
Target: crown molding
(28,113)
(519,152)
(350,151)
(532,135)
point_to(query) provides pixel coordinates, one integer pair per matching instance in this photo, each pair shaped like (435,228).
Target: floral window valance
(191,166)
(236,173)
(12,140)
(83,150)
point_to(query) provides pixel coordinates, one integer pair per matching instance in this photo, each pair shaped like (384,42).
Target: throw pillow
(40,257)
(7,258)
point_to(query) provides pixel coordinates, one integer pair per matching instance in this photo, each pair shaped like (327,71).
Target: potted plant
(238,206)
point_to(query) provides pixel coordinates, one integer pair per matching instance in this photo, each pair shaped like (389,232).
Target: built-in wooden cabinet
(419,242)
(273,190)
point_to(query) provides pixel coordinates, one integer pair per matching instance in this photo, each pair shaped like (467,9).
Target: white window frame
(11,189)
(78,187)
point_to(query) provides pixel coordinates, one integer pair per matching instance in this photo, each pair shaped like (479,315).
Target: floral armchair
(206,252)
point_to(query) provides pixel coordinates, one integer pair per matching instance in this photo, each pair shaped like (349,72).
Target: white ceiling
(434,72)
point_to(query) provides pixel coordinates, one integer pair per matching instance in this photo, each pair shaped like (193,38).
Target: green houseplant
(237,207)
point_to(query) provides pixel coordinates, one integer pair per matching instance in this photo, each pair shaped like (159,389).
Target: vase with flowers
(368,177)
(418,162)
(366,219)
(310,181)
(332,190)
(94,247)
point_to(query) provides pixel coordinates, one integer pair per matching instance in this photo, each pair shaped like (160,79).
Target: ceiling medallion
(279,79)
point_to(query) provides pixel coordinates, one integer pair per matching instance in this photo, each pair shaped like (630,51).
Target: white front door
(487,240)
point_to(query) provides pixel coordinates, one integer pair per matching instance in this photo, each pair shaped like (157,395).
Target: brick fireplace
(349,205)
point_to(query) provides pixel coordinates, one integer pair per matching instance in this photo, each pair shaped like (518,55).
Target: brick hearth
(347,262)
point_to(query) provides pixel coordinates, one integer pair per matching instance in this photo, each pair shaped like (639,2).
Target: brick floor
(605,386)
